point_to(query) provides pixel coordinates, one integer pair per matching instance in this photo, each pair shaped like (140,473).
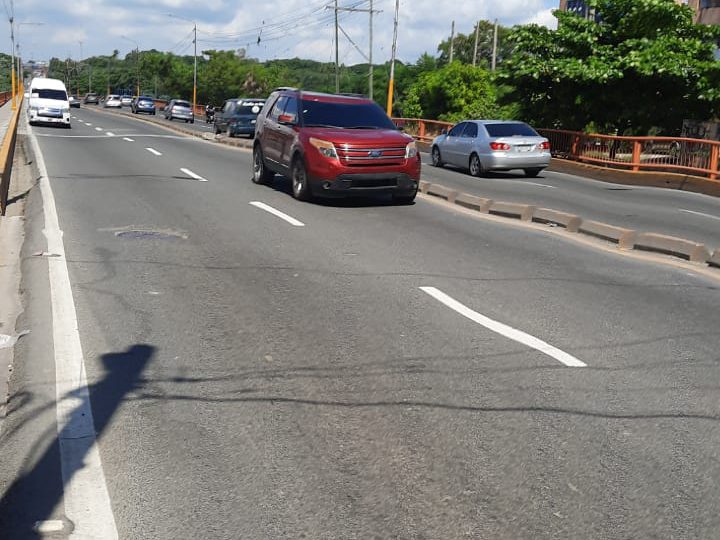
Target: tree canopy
(642,65)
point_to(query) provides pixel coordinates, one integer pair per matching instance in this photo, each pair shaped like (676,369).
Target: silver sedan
(492,145)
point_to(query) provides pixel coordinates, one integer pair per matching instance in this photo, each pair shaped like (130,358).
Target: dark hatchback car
(238,117)
(143,104)
(91,98)
(334,145)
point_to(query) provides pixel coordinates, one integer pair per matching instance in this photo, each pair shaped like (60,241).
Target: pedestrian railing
(666,154)
(7,153)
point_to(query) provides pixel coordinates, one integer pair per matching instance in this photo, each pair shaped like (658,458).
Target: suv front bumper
(362,184)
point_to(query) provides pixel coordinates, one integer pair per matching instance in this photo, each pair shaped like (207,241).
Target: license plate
(524,148)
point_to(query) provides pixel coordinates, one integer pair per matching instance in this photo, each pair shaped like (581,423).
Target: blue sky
(285,29)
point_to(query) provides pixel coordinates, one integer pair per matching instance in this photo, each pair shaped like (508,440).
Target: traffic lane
(199,125)
(676,213)
(359,306)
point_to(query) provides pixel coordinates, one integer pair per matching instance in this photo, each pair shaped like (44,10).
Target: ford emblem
(375,153)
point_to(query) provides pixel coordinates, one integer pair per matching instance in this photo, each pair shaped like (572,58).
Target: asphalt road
(646,209)
(250,378)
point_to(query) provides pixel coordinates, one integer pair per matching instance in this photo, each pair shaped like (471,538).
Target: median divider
(670,245)
(626,239)
(523,212)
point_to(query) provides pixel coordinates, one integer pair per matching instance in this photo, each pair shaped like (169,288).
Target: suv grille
(364,156)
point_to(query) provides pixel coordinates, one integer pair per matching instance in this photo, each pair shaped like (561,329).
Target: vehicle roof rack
(351,94)
(280,88)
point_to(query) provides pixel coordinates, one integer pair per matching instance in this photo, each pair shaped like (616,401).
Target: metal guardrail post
(7,153)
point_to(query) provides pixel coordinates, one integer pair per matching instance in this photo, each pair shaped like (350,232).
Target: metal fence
(666,154)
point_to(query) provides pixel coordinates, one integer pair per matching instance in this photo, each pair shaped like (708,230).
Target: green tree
(643,65)
(453,92)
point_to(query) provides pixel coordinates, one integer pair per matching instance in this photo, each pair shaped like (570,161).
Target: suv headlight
(411,150)
(326,148)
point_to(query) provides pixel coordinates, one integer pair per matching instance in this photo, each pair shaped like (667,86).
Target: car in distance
(112,101)
(334,145)
(492,145)
(48,102)
(91,98)
(126,100)
(238,117)
(74,101)
(144,104)
(179,109)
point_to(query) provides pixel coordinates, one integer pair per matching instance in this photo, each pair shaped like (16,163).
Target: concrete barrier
(442,192)
(571,222)
(625,238)
(715,259)
(670,245)
(424,186)
(475,203)
(523,212)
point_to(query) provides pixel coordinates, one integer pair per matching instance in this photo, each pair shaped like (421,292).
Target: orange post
(714,162)
(637,150)
(421,132)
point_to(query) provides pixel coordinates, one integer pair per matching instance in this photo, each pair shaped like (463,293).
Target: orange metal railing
(422,130)
(668,154)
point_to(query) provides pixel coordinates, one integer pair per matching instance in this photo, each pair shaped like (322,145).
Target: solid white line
(503,329)
(98,129)
(700,214)
(128,139)
(86,498)
(193,175)
(88,124)
(153,151)
(278,213)
(109,134)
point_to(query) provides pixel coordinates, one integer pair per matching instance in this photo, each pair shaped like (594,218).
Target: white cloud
(286,28)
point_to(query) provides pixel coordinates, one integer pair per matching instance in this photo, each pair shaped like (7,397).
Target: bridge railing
(667,154)
(423,130)
(7,153)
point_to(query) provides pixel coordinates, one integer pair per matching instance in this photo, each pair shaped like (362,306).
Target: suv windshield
(510,130)
(249,108)
(52,94)
(345,115)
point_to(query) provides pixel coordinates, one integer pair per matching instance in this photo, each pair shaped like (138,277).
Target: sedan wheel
(436,159)
(475,166)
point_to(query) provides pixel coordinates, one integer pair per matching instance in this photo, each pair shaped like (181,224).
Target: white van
(48,102)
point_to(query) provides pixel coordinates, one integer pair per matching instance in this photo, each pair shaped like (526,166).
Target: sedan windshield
(182,104)
(510,130)
(345,115)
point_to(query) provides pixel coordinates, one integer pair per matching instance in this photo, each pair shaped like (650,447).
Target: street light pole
(391,85)
(194,57)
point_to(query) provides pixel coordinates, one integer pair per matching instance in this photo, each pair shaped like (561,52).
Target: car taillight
(499,146)
(544,145)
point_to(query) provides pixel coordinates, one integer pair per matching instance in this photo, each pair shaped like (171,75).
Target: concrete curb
(670,245)
(626,239)
(523,212)
(546,215)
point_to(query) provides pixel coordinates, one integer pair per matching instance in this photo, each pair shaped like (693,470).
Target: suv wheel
(261,174)
(404,199)
(300,183)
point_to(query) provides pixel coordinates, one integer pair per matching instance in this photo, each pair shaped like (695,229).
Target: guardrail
(423,130)
(5,97)
(697,157)
(7,153)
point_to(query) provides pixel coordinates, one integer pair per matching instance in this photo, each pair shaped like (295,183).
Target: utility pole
(368,57)
(391,85)
(12,38)
(494,55)
(477,35)
(108,78)
(78,70)
(337,51)
(452,41)
(194,69)
(370,75)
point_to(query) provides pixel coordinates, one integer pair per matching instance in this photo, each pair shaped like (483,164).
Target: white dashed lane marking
(193,175)
(275,212)
(153,151)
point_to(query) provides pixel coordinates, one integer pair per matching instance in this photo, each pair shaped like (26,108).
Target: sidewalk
(12,227)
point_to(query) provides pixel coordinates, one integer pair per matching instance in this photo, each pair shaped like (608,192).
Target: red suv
(334,145)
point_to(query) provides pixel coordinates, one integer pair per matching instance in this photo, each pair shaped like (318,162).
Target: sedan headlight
(411,150)
(326,148)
